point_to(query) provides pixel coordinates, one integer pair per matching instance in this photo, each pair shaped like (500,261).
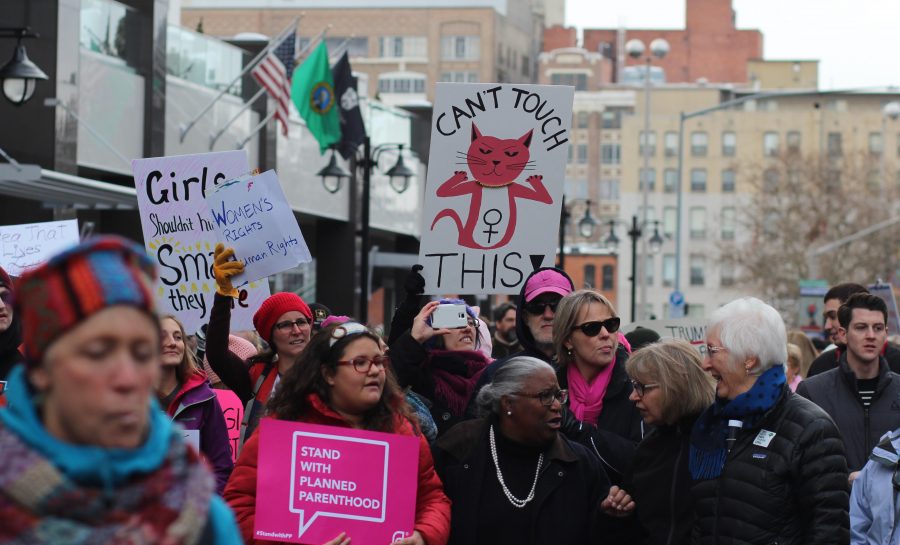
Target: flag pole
(300,56)
(280,37)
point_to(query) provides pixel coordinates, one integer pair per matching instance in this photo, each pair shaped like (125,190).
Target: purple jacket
(195,407)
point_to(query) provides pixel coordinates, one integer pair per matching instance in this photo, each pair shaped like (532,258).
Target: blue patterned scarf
(710,433)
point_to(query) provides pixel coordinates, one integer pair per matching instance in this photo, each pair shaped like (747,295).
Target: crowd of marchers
(546,426)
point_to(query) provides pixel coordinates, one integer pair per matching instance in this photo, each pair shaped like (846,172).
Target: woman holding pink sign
(343,379)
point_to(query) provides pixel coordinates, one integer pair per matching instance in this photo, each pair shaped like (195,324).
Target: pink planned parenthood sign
(315,482)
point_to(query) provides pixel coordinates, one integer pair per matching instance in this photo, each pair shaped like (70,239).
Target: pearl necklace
(516,502)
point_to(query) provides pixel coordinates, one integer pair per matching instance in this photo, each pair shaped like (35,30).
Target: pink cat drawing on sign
(495,164)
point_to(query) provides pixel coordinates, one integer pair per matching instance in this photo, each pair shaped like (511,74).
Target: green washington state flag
(312,90)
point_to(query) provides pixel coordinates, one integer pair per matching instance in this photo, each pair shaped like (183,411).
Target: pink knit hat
(238,346)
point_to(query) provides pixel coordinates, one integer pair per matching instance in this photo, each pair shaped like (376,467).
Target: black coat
(660,485)
(793,491)
(618,429)
(835,391)
(566,501)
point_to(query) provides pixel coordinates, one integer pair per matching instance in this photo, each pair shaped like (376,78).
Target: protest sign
(180,234)
(28,245)
(315,482)
(233,411)
(691,330)
(252,216)
(886,293)
(495,185)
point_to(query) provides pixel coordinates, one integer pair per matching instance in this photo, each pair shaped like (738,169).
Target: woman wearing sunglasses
(592,367)
(441,365)
(343,379)
(670,390)
(512,477)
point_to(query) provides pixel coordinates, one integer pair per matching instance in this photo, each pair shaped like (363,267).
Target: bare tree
(798,203)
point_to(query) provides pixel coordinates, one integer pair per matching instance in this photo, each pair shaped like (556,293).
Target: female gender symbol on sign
(490,231)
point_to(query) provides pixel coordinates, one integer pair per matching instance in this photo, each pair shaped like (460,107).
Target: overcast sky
(856,41)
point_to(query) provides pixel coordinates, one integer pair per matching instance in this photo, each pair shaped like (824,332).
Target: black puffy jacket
(793,491)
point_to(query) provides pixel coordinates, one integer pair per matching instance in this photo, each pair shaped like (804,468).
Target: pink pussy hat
(547,281)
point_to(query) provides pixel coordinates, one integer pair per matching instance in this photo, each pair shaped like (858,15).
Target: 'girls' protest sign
(233,411)
(28,245)
(315,482)
(252,216)
(180,234)
(495,185)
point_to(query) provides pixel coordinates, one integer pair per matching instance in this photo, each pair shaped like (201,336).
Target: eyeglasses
(713,349)
(640,387)
(539,307)
(288,325)
(363,364)
(547,396)
(592,329)
(473,323)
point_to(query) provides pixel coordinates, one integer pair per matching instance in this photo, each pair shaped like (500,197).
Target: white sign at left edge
(28,245)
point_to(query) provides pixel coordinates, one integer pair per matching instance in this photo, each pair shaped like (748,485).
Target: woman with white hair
(768,466)
(512,477)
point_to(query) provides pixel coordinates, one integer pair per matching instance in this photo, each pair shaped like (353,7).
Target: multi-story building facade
(400,48)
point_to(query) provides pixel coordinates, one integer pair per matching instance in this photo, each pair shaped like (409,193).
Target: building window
(609,189)
(793,142)
(647,176)
(770,144)
(648,269)
(728,221)
(668,272)
(608,274)
(697,218)
(583,120)
(670,180)
(460,48)
(401,82)
(876,144)
(694,310)
(727,181)
(571,154)
(835,147)
(671,142)
(698,180)
(460,77)
(526,65)
(356,47)
(726,273)
(698,270)
(611,119)
(590,276)
(771,180)
(610,154)
(582,154)
(579,81)
(729,144)
(647,144)
(393,47)
(651,214)
(670,221)
(699,143)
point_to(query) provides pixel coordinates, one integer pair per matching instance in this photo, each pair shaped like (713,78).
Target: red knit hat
(272,308)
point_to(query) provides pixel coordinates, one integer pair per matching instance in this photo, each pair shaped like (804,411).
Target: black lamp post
(19,76)
(366,162)
(586,226)
(634,233)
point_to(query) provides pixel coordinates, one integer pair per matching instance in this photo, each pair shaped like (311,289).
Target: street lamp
(659,48)
(19,75)
(635,232)
(586,226)
(366,162)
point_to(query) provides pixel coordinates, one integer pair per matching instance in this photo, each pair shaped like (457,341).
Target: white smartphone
(449,316)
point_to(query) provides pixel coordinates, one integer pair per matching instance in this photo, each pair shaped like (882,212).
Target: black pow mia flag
(353,130)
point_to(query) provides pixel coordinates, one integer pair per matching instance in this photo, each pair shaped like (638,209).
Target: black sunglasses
(537,307)
(592,329)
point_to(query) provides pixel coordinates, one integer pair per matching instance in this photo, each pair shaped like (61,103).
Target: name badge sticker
(764,438)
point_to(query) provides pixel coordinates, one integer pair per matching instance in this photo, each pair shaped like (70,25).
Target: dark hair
(307,376)
(865,301)
(842,292)
(501,311)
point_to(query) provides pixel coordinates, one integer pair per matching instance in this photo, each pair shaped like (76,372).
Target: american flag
(274,74)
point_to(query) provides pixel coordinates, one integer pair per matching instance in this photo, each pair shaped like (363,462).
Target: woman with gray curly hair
(768,466)
(512,477)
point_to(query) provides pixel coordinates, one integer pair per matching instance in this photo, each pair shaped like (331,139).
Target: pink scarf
(586,400)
